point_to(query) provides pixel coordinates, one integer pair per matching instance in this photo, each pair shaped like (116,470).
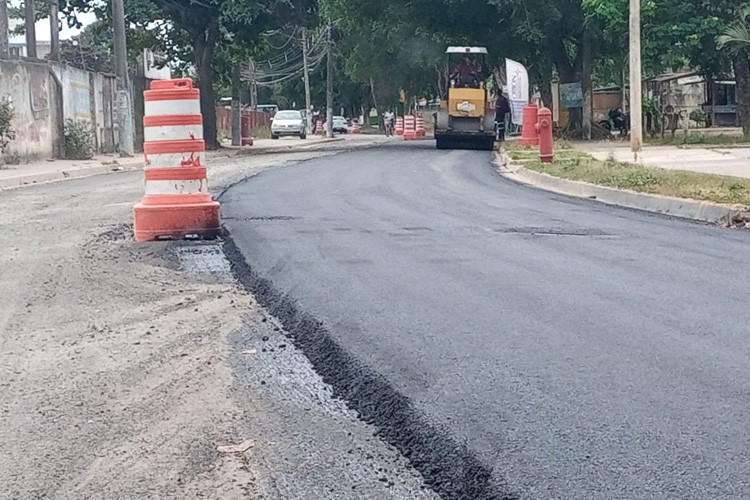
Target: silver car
(288,122)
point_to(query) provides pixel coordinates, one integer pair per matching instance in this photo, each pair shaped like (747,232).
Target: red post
(546,142)
(247,130)
(529,134)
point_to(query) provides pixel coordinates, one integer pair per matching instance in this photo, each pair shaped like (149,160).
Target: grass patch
(261,133)
(579,166)
(692,139)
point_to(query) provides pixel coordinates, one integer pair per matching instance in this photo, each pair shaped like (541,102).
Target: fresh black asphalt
(511,342)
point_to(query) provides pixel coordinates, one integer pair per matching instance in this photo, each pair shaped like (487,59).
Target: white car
(288,122)
(340,124)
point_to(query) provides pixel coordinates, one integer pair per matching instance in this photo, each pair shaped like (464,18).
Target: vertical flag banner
(518,89)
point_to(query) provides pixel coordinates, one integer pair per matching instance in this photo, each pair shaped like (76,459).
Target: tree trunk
(741,64)
(4,29)
(236,105)
(587,85)
(204,44)
(54,32)
(29,15)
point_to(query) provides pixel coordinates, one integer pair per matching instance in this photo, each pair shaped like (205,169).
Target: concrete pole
(54,31)
(236,106)
(30,17)
(124,105)
(329,86)
(4,53)
(306,73)
(636,98)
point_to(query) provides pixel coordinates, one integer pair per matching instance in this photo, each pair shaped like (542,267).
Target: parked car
(340,124)
(288,122)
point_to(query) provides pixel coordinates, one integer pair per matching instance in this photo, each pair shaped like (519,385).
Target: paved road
(578,350)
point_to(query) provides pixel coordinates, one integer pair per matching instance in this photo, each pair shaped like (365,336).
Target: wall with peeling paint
(44,95)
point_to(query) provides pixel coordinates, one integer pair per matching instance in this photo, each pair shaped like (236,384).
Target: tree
(735,39)
(191,27)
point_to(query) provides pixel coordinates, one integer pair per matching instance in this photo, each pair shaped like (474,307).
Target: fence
(258,119)
(44,95)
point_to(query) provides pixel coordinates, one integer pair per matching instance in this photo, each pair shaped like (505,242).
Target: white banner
(518,89)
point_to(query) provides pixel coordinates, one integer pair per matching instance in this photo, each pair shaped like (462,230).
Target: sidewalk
(733,161)
(12,176)
(54,170)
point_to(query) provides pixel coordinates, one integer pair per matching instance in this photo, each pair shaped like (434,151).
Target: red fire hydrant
(544,129)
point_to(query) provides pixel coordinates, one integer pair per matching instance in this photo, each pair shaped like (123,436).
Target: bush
(698,116)
(7,133)
(79,140)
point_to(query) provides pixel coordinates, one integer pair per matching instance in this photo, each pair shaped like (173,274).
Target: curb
(703,211)
(61,175)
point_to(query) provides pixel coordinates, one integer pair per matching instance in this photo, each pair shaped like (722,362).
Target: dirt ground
(125,367)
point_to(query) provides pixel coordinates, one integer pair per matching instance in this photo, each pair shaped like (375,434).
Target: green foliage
(698,116)
(78,139)
(7,133)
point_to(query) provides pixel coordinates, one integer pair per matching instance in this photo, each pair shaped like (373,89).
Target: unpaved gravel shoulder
(123,367)
(116,381)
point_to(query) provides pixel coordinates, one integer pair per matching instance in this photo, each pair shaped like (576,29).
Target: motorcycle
(616,121)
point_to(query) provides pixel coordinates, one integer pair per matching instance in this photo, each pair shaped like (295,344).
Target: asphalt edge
(239,151)
(448,467)
(703,211)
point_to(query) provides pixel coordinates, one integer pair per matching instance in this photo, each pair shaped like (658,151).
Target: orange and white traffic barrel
(399,125)
(410,128)
(176,203)
(355,126)
(319,127)
(420,126)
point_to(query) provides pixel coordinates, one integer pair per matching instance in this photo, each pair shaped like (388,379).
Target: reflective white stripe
(170,160)
(177,187)
(173,107)
(173,132)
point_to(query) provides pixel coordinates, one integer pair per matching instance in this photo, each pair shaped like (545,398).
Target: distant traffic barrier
(410,128)
(355,126)
(529,133)
(420,126)
(319,127)
(399,125)
(176,203)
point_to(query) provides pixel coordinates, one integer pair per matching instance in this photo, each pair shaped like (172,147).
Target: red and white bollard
(546,141)
(420,126)
(410,128)
(176,203)
(319,127)
(355,126)
(399,125)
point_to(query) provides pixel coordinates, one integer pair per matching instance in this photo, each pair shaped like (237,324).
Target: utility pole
(329,86)
(636,98)
(236,106)
(54,31)
(308,103)
(30,17)
(124,105)
(4,54)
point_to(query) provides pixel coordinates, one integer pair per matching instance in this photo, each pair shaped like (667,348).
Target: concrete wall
(32,91)
(44,95)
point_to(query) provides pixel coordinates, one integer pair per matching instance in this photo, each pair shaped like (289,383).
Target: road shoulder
(679,207)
